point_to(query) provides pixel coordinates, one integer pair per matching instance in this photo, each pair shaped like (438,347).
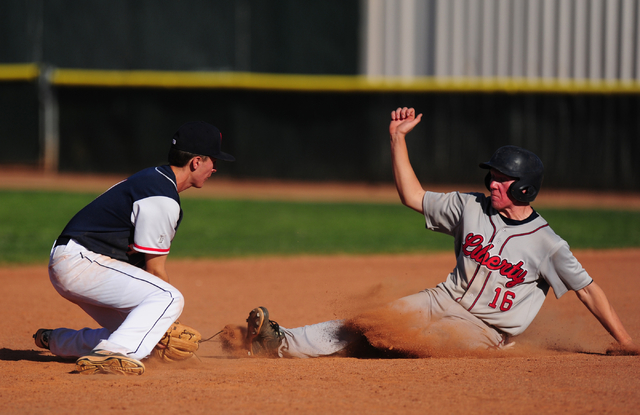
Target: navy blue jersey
(140,215)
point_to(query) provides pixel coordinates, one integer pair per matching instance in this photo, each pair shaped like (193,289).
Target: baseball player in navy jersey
(110,259)
(507,257)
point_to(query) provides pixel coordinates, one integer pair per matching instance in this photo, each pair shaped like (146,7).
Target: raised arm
(596,301)
(403,120)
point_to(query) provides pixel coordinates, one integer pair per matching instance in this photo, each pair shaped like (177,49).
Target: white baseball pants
(134,307)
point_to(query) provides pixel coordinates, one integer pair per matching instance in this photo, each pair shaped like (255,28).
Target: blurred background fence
(303,89)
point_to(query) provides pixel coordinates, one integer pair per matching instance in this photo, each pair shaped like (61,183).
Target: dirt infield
(558,366)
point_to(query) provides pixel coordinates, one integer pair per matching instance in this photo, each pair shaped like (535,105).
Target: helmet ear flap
(522,165)
(522,193)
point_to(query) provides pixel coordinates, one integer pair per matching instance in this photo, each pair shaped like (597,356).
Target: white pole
(373,38)
(49,130)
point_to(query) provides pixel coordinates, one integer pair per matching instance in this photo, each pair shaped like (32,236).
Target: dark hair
(180,158)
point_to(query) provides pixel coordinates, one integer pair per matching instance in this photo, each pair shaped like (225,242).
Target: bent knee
(171,300)
(178,301)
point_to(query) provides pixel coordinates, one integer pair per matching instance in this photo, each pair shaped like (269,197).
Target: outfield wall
(335,128)
(303,89)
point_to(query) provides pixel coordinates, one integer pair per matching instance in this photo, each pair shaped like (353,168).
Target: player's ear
(194,163)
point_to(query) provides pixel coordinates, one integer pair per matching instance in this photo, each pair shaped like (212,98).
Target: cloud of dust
(404,335)
(232,340)
(407,335)
(378,295)
(395,333)
(399,333)
(553,330)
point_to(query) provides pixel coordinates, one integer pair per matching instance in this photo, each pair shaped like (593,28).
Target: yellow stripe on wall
(19,72)
(310,83)
(331,83)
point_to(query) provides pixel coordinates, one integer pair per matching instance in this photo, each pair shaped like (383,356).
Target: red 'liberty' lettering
(474,249)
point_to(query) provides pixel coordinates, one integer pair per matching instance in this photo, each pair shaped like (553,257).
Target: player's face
(204,169)
(499,186)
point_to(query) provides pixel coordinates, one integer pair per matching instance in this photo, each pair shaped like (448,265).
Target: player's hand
(403,120)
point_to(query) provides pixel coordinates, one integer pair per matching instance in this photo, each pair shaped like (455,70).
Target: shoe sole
(116,365)
(255,326)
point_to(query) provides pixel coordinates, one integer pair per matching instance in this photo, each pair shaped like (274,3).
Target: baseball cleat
(42,338)
(264,337)
(106,362)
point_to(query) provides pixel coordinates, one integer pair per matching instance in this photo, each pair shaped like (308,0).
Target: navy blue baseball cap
(199,137)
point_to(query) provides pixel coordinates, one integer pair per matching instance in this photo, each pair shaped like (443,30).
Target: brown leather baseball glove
(178,343)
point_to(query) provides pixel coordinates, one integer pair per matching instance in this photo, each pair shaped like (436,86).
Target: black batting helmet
(522,165)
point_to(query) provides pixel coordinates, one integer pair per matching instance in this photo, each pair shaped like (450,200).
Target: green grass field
(31,220)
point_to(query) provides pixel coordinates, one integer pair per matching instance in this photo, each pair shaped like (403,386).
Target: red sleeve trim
(150,250)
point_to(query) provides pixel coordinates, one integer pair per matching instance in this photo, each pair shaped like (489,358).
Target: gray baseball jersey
(504,268)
